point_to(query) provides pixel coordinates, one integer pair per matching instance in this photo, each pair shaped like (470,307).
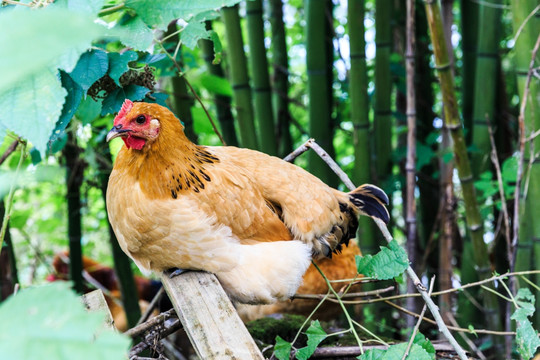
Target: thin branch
(11,148)
(420,318)
(152,338)
(344,296)
(453,328)
(11,2)
(520,29)
(151,306)
(521,122)
(182,74)
(465,338)
(111,9)
(153,322)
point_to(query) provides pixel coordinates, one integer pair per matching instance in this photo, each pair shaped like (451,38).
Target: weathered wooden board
(209,318)
(95,301)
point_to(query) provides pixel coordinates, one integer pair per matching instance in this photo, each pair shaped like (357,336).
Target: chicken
(340,267)
(254,220)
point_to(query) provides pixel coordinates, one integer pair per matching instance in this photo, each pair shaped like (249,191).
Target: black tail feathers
(371,201)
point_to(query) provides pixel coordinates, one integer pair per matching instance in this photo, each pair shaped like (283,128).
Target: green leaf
(372,354)
(45,38)
(396,352)
(216,84)
(88,110)
(282,349)
(218,48)
(193,32)
(159,13)
(113,102)
(30,177)
(527,339)
(422,341)
(136,34)
(91,67)
(525,300)
(31,108)
(390,262)
(50,322)
(315,335)
(424,155)
(158,98)
(118,64)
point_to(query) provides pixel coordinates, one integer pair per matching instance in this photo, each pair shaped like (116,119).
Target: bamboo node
(443,67)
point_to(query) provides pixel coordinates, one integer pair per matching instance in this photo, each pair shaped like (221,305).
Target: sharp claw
(175,272)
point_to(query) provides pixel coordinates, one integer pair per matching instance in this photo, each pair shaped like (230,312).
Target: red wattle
(134,142)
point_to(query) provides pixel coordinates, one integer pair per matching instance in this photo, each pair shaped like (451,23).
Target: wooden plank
(209,318)
(95,301)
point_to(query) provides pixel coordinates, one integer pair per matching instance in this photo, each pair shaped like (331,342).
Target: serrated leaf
(527,339)
(73,99)
(525,300)
(193,32)
(396,352)
(282,349)
(55,327)
(91,67)
(159,13)
(315,335)
(118,64)
(113,102)
(388,263)
(88,110)
(136,34)
(31,107)
(44,37)
(372,354)
(422,341)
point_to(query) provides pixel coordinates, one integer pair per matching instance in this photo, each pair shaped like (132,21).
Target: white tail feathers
(267,272)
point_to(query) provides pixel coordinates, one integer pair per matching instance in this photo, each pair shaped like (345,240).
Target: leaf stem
(349,320)
(111,9)
(9,202)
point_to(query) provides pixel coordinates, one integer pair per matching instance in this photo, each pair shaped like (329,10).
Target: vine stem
(181,73)
(349,320)
(9,203)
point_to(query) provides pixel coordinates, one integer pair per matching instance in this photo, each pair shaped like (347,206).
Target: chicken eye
(141,119)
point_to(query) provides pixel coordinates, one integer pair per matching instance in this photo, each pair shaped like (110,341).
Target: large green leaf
(526,336)
(118,64)
(136,34)
(315,335)
(193,32)
(92,66)
(388,263)
(396,352)
(50,322)
(282,349)
(44,39)
(32,107)
(159,13)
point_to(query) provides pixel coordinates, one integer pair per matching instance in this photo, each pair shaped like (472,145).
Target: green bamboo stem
(383,89)
(485,82)
(319,71)
(452,122)
(222,102)
(239,77)
(74,179)
(281,78)
(359,105)
(469,43)
(527,249)
(261,80)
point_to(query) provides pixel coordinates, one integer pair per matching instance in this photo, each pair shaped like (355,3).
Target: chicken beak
(116,131)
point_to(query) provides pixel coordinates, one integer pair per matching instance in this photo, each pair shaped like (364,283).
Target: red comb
(126,107)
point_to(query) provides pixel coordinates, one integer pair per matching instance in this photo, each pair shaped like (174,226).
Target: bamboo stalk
(383,89)
(452,122)
(485,82)
(359,105)
(261,80)
(319,70)
(222,102)
(281,78)
(239,77)
(410,166)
